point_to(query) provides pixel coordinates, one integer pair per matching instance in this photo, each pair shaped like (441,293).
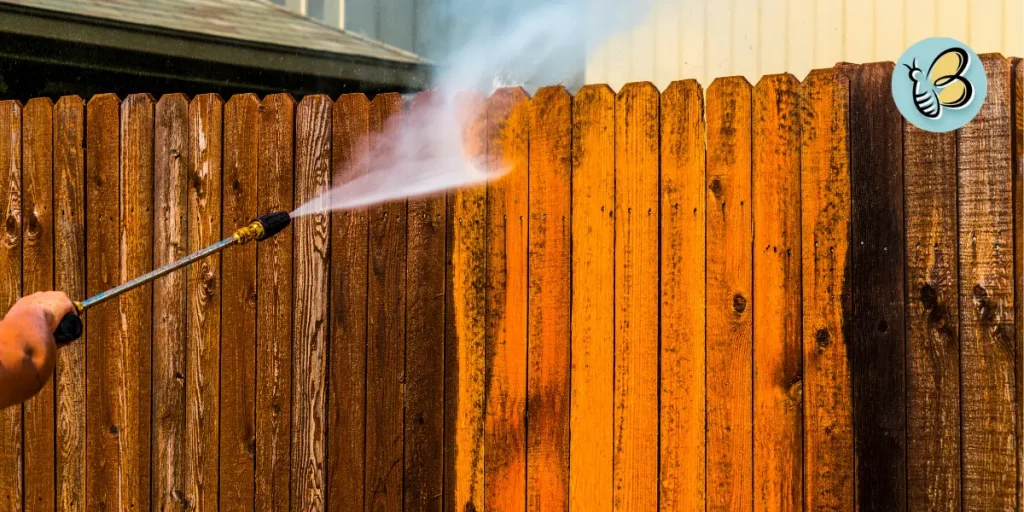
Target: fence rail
(771,297)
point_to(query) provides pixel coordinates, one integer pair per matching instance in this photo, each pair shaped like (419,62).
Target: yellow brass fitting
(78,306)
(254,231)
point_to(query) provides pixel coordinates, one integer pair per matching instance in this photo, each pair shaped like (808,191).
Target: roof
(173,27)
(248,20)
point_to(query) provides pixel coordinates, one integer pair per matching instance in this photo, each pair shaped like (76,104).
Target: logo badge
(939,84)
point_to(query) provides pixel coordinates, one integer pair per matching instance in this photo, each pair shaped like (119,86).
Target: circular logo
(939,84)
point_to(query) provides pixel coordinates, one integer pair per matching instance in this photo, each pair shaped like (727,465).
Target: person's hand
(45,307)
(28,351)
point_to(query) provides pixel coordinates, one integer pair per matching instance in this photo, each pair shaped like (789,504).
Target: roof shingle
(256,21)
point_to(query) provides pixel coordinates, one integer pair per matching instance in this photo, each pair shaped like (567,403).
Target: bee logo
(945,86)
(939,84)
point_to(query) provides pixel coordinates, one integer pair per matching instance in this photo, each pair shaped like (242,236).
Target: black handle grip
(70,329)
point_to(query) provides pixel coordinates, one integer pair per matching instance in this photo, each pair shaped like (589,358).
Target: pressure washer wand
(261,228)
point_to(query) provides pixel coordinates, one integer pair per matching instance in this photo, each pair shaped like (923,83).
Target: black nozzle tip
(273,223)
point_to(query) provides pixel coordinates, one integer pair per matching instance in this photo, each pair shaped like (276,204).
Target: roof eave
(70,28)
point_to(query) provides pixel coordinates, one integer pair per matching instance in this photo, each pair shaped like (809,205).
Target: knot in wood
(198,184)
(822,338)
(739,303)
(716,187)
(986,309)
(12,228)
(883,326)
(33,227)
(208,281)
(795,392)
(929,298)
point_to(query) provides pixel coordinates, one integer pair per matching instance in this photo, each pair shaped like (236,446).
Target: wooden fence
(776,297)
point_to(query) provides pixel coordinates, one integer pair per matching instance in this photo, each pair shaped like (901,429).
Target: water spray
(261,228)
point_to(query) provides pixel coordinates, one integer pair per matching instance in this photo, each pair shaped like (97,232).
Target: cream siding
(704,39)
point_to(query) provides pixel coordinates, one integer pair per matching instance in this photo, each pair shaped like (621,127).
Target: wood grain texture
(825,226)
(37,275)
(932,316)
(385,356)
(635,454)
(102,223)
(466,327)
(119,247)
(238,307)
(313,121)
(11,488)
(425,325)
(129,358)
(985,201)
(778,349)
(1018,237)
(683,212)
(549,298)
(274,307)
(505,348)
(729,302)
(69,276)
(876,323)
(170,235)
(592,373)
(346,372)
(203,303)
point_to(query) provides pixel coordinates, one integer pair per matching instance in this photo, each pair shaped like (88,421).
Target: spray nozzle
(263,227)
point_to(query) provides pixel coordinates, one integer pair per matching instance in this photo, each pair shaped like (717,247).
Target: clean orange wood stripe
(11,489)
(346,372)
(313,137)
(37,258)
(635,455)
(238,307)
(593,299)
(466,326)
(729,303)
(203,303)
(778,357)
(683,207)
(825,225)
(985,201)
(550,195)
(69,258)
(505,348)
(170,234)
(274,306)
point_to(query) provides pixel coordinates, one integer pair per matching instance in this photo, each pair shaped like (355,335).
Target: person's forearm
(23,369)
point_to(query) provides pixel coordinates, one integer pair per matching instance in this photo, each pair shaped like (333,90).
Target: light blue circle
(925,52)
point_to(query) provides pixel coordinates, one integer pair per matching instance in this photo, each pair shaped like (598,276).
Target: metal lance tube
(261,228)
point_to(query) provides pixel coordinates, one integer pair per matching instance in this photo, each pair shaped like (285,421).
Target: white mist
(530,43)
